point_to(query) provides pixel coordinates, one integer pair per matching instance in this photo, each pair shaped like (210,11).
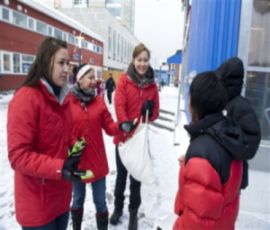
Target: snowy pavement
(157,199)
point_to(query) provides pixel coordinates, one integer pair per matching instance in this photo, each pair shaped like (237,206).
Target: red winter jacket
(129,98)
(38,139)
(202,202)
(88,122)
(210,178)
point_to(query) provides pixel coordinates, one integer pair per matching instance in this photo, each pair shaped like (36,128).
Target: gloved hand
(70,168)
(147,106)
(127,126)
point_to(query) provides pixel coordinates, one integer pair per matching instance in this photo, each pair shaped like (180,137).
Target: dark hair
(207,94)
(41,66)
(76,69)
(140,48)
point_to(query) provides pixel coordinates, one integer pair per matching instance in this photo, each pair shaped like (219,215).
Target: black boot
(133,220)
(76,216)
(117,213)
(102,221)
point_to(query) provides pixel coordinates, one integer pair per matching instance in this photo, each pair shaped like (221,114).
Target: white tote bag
(135,155)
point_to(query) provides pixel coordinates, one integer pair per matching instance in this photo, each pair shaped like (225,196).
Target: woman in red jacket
(210,177)
(136,92)
(38,140)
(89,117)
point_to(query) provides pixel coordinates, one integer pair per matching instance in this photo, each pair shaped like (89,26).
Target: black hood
(224,130)
(231,74)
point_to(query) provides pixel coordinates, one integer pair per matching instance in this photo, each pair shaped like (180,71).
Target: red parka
(88,122)
(210,177)
(129,98)
(202,202)
(38,139)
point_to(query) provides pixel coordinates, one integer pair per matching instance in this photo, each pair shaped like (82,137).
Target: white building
(119,41)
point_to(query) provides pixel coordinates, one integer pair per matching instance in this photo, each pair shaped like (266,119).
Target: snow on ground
(158,198)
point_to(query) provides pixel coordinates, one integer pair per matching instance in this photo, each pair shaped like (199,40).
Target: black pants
(135,187)
(109,96)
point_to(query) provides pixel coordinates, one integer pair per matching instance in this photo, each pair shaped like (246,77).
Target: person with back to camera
(110,87)
(210,176)
(90,117)
(136,93)
(38,132)
(231,75)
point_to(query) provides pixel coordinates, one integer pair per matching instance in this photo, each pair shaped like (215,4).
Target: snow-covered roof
(57,15)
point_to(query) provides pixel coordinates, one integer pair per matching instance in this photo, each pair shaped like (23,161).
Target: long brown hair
(41,67)
(140,48)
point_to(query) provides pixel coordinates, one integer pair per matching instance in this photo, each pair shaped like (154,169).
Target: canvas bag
(135,154)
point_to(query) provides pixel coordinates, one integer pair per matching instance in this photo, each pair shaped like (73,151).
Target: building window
(71,39)
(118,47)
(27,61)
(80,3)
(6,62)
(5,14)
(122,49)
(16,63)
(258,69)
(42,27)
(31,24)
(50,31)
(109,42)
(19,19)
(64,36)
(114,45)
(58,34)
(113,1)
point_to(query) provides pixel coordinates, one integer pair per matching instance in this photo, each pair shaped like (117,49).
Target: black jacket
(219,140)
(231,74)
(110,85)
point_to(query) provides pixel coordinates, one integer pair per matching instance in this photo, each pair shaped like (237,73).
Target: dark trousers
(59,223)
(109,96)
(135,187)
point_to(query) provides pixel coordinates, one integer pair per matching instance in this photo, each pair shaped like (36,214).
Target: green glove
(77,148)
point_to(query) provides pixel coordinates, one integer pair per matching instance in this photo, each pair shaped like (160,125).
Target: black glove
(70,167)
(147,106)
(127,126)
(69,171)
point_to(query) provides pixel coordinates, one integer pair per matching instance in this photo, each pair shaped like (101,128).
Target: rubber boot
(133,220)
(77,216)
(115,217)
(102,220)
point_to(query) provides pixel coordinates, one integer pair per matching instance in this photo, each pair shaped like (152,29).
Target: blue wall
(213,35)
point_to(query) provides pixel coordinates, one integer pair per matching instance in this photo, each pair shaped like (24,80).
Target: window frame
(9,14)
(19,14)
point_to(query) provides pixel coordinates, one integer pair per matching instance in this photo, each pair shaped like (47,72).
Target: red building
(25,23)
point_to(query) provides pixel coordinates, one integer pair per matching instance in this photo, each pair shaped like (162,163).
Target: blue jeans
(59,223)
(98,189)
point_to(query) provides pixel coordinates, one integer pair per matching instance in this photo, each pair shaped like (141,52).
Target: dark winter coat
(129,98)
(210,178)
(38,131)
(110,85)
(88,122)
(231,74)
